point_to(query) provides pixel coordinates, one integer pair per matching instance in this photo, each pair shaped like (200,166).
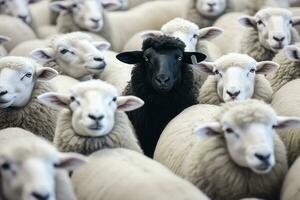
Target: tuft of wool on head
(163,42)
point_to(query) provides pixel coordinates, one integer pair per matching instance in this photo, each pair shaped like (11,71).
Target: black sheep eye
(28,75)
(252,70)
(64,51)
(195,36)
(5,166)
(114,99)
(228,130)
(218,73)
(291,22)
(2,3)
(260,22)
(74,6)
(72,98)
(146,58)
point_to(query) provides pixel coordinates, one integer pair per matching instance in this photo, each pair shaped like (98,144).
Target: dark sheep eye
(2,3)
(195,36)
(179,58)
(28,75)
(74,6)
(114,99)
(228,130)
(5,166)
(252,70)
(72,98)
(64,51)
(146,58)
(291,22)
(260,22)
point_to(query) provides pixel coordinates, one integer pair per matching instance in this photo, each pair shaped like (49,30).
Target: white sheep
(288,60)
(228,152)
(114,174)
(188,32)
(16,30)
(286,102)
(92,118)
(235,77)
(291,186)
(21,81)
(267,32)
(74,54)
(3,40)
(32,168)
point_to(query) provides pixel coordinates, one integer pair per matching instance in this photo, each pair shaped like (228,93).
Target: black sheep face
(163,66)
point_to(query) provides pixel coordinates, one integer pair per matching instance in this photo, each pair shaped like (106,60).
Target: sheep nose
(279,38)
(96,118)
(211,4)
(23,17)
(2,93)
(95,20)
(263,158)
(98,59)
(40,196)
(233,94)
(162,79)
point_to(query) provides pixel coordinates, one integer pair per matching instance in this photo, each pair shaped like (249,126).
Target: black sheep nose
(162,79)
(2,93)
(278,39)
(211,4)
(95,20)
(23,17)
(96,118)
(233,94)
(98,59)
(39,196)
(263,158)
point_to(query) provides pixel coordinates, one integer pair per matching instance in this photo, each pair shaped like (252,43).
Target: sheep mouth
(6,104)
(97,68)
(263,168)
(95,127)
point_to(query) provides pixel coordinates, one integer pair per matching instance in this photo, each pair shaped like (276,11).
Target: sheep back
(129,176)
(34,116)
(67,140)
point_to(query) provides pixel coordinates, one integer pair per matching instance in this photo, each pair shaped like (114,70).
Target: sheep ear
(131,57)
(248,21)
(59,6)
(70,161)
(209,130)
(209,33)
(4,39)
(287,122)
(43,55)
(266,67)
(129,103)
(102,45)
(193,57)
(147,34)
(54,100)
(292,52)
(296,21)
(206,67)
(46,73)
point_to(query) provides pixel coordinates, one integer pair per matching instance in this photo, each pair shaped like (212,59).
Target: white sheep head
(186,31)
(18,77)
(248,127)
(87,14)
(76,54)
(211,8)
(274,27)
(17,8)
(235,75)
(3,40)
(115,4)
(28,169)
(292,52)
(93,104)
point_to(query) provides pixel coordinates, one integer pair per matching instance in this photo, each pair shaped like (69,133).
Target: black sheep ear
(193,57)
(131,57)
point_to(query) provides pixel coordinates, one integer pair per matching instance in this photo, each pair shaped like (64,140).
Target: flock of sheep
(149,99)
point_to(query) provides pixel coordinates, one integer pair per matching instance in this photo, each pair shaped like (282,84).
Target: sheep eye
(195,36)
(74,6)
(64,51)
(260,22)
(114,99)
(179,58)
(2,3)
(291,22)
(229,130)
(252,70)
(28,75)
(5,166)
(72,98)
(218,73)
(146,58)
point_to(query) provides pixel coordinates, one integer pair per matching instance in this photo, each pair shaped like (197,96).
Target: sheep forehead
(100,87)
(17,63)
(68,39)
(19,150)
(179,24)
(236,60)
(269,12)
(243,113)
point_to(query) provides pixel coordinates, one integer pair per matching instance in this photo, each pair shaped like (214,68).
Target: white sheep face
(87,14)
(93,104)
(28,175)
(186,31)
(235,75)
(274,26)
(18,77)
(249,132)
(76,56)
(16,8)
(211,8)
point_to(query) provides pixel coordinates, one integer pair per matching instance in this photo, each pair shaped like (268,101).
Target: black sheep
(164,79)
